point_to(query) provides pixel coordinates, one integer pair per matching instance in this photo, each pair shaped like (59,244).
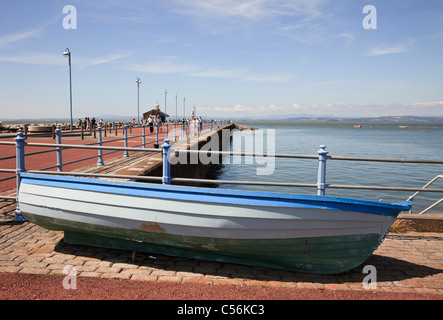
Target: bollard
(125,132)
(321,177)
(20,167)
(166,179)
(100,151)
(58,140)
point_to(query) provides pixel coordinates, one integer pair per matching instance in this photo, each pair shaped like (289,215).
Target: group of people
(88,124)
(152,121)
(196,123)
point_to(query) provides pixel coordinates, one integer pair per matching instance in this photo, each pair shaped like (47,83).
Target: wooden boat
(316,234)
(358,126)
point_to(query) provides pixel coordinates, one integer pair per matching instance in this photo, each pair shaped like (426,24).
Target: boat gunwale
(217,195)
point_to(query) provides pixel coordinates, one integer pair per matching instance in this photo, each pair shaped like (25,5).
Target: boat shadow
(388,269)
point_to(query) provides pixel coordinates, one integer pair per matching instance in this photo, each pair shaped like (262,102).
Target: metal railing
(425,187)
(322,157)
(179,130)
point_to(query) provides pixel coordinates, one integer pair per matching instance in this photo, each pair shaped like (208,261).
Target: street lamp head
(67,52)
(138,80)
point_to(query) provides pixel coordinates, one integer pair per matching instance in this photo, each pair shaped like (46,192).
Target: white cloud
(398,48)
(338,109)
(428,104)
(59,59)
(239,74)
(250,9)
(36,32)
(163,65)
(170,65)
(38,59)
(271,109)
(347,37)
(105,59)
(15,37)
(289,18)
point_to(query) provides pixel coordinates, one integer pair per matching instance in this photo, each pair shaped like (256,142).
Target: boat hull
(300,233)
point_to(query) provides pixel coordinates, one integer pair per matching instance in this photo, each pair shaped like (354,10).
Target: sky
(225,58)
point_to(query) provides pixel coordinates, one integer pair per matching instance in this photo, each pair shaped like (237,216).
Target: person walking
(151,124)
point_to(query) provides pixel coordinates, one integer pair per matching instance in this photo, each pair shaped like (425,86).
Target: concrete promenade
(409,262)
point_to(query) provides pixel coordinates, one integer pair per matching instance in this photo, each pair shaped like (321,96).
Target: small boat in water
(358,126)
(317,234)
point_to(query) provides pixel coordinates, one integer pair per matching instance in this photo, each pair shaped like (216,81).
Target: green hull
(324,255)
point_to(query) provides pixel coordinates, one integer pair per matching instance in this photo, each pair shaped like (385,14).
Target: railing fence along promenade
(322,157)
(180,131)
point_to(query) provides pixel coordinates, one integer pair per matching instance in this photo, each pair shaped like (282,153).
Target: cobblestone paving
(411,262)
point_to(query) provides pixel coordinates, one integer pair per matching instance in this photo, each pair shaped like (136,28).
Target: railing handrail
(426,186)
(76,146)
(235,182)
(129,125)
(231,153)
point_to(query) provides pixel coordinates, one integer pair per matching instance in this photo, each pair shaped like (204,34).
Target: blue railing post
(58,140)
(100,151)
(321,178)
(125,131)
(166,179)
(20,167)
(143,135)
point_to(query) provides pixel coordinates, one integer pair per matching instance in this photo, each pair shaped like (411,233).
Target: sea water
(371,140)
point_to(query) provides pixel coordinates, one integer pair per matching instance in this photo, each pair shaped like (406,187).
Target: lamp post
(138,99)
(68,54)
(175,108)
(184,121)
(184,99)
(175,124)
(166,115)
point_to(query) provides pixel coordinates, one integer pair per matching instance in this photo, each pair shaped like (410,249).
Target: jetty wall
(190,165)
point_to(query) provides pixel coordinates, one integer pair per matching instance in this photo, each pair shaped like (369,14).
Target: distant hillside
(354,119)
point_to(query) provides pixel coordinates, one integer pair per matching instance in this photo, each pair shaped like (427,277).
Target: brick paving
(408,263)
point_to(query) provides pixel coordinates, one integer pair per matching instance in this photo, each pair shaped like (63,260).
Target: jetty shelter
(154,112)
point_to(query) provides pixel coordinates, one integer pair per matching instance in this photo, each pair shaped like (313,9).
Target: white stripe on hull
(200,219)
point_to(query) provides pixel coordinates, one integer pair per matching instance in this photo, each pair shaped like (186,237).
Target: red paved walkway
(44,160)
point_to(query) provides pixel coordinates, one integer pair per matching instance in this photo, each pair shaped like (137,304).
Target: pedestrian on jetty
(151,124)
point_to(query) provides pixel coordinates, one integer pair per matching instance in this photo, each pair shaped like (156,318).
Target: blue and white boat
(317,234)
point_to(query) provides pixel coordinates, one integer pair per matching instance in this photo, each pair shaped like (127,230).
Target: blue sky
(227,58)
